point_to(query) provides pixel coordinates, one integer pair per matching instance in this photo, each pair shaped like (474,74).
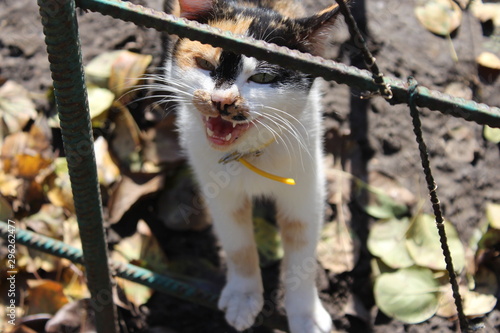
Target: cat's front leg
(242,297)
(300,217)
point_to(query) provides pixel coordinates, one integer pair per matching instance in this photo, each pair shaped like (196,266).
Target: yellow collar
(240,157)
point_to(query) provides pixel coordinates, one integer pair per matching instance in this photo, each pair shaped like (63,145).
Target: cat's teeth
(228,137)
(210,132)
(234,125)
(207,118)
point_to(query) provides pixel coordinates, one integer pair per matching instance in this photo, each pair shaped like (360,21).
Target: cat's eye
(264,78)
(204,64)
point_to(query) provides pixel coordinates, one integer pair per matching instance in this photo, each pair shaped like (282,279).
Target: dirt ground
(466,167)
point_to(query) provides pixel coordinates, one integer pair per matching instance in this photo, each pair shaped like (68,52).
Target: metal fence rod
(165,284)
(130,272)
(316,66)
(63,47)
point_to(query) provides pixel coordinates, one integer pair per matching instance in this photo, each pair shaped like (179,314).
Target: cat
(232,106)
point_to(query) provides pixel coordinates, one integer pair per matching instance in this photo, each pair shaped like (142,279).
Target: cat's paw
(240,307)
(318,321)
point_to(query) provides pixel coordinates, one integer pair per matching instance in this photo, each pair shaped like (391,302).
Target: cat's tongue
(222,132)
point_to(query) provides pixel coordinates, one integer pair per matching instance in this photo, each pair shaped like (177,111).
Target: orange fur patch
(292,232)
(243,214)
(245,260)
(203,102)
(188,50)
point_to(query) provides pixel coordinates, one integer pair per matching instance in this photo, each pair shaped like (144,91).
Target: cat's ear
(315,29)
(196,9)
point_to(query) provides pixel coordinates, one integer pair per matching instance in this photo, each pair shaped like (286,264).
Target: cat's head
(233,95)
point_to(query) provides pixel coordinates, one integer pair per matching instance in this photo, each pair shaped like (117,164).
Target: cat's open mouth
(222,133)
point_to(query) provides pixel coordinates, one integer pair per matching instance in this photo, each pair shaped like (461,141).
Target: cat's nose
(222,102)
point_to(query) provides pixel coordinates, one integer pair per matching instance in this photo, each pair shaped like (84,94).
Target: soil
(465,165)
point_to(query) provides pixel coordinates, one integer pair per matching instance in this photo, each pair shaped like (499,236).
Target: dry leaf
(126,71)
(338,248)
(16,108)
(100,100)
(45,296)
(493,214)
(59,190)
(125,143)
(486,12)
(107,171)
(129,191)
(74,283)
(391,187)
(98,69)
(441,17)
(489,60)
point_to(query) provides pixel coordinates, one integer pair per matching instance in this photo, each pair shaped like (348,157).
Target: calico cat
(235,108)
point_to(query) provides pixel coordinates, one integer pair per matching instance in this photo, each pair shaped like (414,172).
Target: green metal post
(63,46)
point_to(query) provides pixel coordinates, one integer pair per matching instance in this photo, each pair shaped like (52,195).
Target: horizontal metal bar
(316,66)
(127,271)
(163,283)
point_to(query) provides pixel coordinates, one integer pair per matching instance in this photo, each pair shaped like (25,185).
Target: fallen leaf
(136,293)
(74,284)
(493,215)
(441,17)
(408,294)
(100,100)
(16,108)
(446,303)
(129,191)
(387,240)
(125,143)
(98,70)
(9,185)
(26,154)
(424,245)
(477,304)
(45,296)
(338,248)
(488,59)
(126,71)
(485,12)
(391,187)
(59,190)
(491,134)
(107,171)
(380,205)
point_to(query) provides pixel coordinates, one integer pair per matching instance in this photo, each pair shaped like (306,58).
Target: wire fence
(63,46)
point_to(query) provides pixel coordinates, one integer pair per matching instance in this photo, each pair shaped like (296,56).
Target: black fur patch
(229,67)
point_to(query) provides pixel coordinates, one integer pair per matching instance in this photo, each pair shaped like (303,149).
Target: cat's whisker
(282,130)
(276,136)
(288,115)
(287,126)
(292,128)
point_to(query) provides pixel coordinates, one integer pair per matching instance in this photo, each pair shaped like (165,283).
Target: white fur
(296,152)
